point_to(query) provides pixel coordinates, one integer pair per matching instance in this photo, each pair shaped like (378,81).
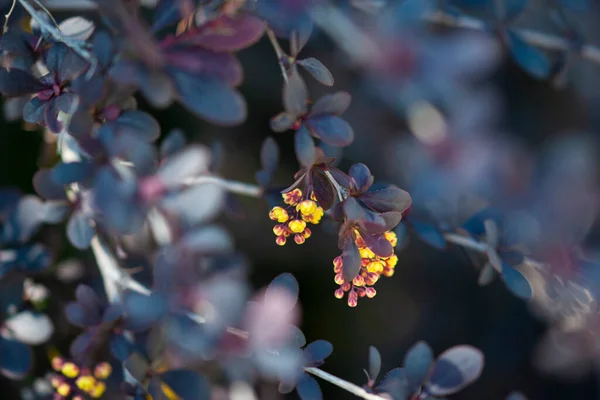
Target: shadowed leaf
(317,70)
(308,388)
(374,363)
(295,94)
(417,363)
(454,369)
(351,261)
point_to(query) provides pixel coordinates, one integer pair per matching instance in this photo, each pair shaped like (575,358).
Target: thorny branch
(278,52)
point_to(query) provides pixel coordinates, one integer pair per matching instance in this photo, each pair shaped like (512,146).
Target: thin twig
(347,386)
(7,16)
(279,52)
(341,192)
(48,13)
(538,39)
(242,188)
(74,44)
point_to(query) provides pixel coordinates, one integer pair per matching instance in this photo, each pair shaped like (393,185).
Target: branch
(74,44)
(242,188)
(480,247)
(347,386)
(7,16)
(359,46)
(542,40)
(278,51)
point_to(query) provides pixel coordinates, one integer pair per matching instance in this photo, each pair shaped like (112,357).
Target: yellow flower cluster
(292,220)
(78,382)
(372,267)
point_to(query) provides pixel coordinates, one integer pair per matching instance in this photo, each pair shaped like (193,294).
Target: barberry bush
(166,149)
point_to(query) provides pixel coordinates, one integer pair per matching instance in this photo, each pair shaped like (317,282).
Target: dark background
(433,296)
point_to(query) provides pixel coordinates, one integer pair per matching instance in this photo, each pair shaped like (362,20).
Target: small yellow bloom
(85,382)
(98,390)
(279,230)
(292,197)
(389,272)
(55,382)
(63,389)
(338,279)
(307,232)
(358,281)
(392,238)
(280,240)
(307,207)
(57,363)
(339,293)
(297,225)
(365,252)
(102,370)
(370,292)
(392,261)
(70,370)
(375,266)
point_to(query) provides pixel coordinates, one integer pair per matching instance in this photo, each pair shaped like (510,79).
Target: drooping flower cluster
(371,269)
(292,220)
(79,383)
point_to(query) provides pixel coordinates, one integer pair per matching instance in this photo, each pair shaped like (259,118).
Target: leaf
(56,211)
(394,383)
(197,204)
(45,186)
(140,124)
(429,233)
(316,352)
(17,82)
(29,216)
(192,161)
(322,188)
(283,282)
(187,384)
(72,172)
(143,311)
(269,155)
(454,369)
(15,358)
(89,300)
(511,9)
(487,274)
(517,283)
(317,70)
(378,244)
(295,94)
(308,388)
(361,177)
(528,57)
(137,366)
(516,396)
(331,129)
(417,363)
(336,103)
(173,143)
(282,122)
(209,98)
(576,5)
(387,199)
(351,261)
(374,363)
(207,240)
(79,230)
(227,34)
(304,147)
(77,28)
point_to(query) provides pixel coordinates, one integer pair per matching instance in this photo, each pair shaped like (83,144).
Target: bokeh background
(433,296)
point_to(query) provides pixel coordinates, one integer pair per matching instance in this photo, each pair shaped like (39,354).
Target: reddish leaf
(350,260)
(387,199)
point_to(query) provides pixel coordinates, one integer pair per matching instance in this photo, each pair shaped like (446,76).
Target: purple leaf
(15,357)
(387,199)
(305,147)
(79,230)
(454,369)
(374,363)
(308,388)
(288,284)
(316,352)
(351,261)
(17,82)
(187,384)
(227,34)
(140,124)
(269,155)
(378,244)
(331,129)
(336,103)
(295,94)
(282,122)
(417,363)
(317,70)
(210,99)
(361,177)
(323,189)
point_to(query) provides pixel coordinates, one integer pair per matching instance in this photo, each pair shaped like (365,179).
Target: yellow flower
(102,370)
(392,238)
(85,383)
(70,370)
(297,225)
(98,390)
(63,389)
(307,207)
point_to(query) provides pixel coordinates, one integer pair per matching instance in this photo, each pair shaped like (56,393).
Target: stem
(74,44)
(362,49)
(480,247)
(341,192)
(242,188)
(347,386)
(279,52)
(539,39)
(7,16)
